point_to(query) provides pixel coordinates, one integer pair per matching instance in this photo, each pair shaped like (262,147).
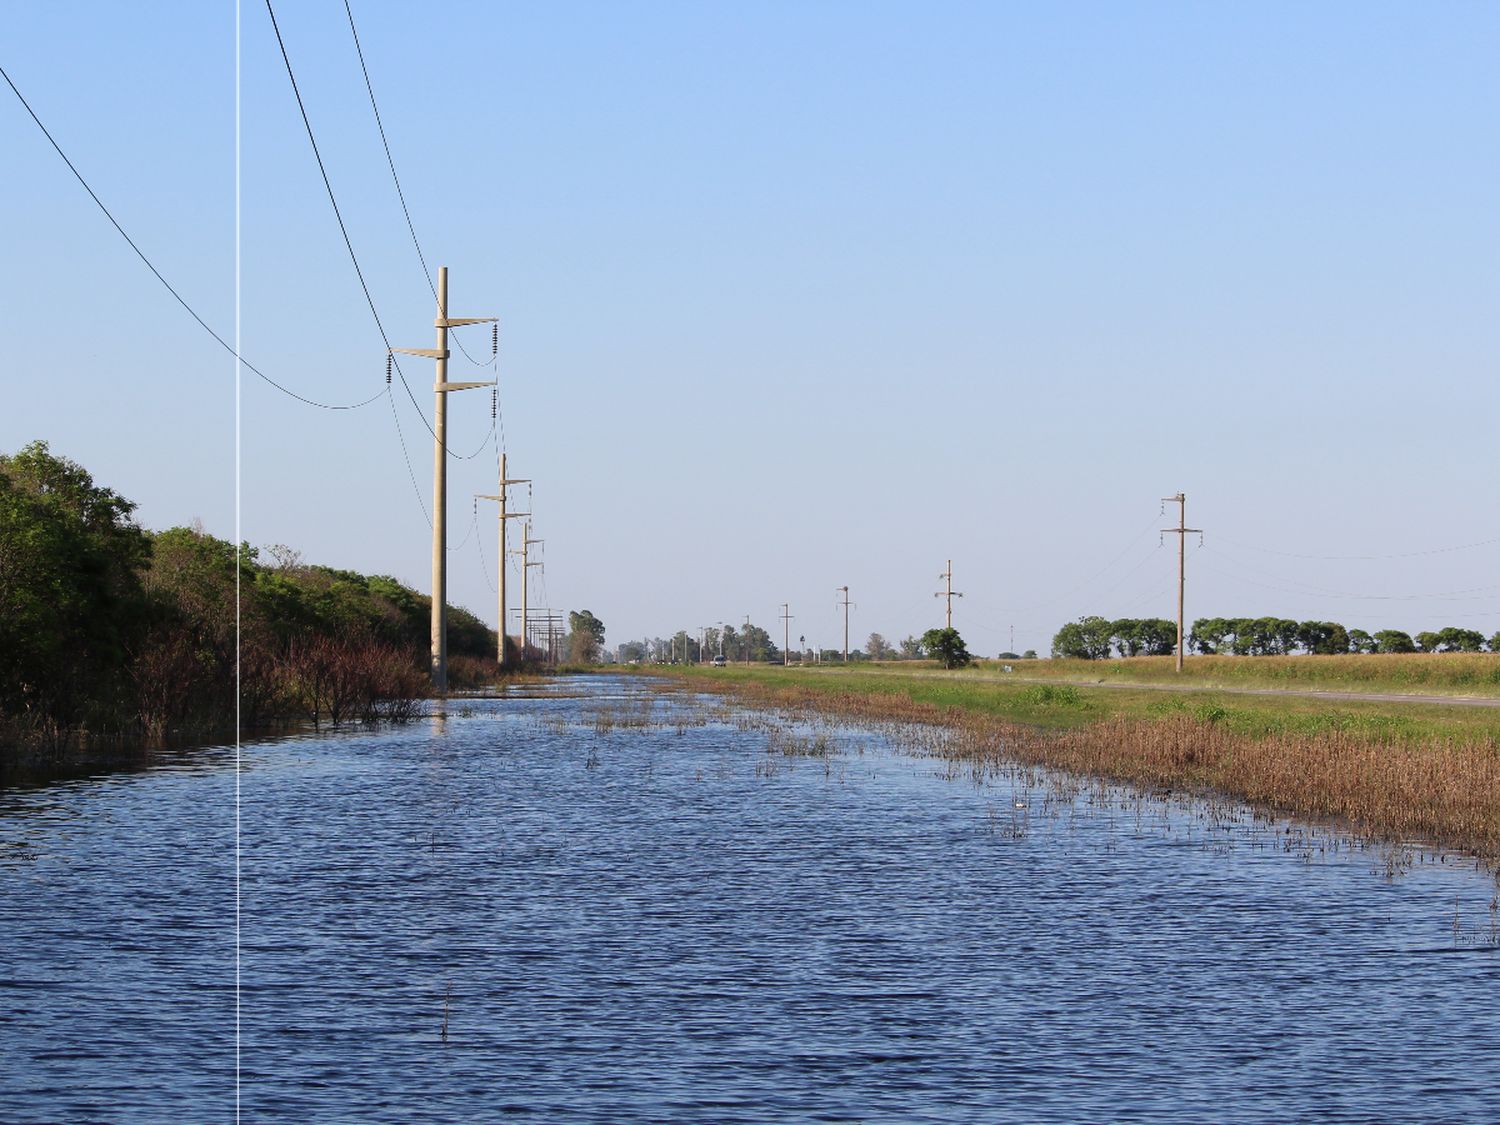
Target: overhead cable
(157,273)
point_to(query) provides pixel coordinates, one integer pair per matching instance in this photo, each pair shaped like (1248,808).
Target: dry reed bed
(1440,791)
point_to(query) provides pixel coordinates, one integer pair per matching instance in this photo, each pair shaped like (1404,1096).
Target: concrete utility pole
(504,515)
(524,552)
(845,604)
(948,593)
(746,638)
(1182,530)
(440,476)
(786,633)
(721,638)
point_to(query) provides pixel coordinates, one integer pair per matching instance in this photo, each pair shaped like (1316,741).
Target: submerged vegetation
(1387,771)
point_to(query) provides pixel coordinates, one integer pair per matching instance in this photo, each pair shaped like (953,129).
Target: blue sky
(795,296)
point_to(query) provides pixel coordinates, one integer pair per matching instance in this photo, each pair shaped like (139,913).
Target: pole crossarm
(441,387)
(459,322)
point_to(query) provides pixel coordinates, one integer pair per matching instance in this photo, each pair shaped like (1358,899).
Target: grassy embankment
(1423,673)
(1387,770)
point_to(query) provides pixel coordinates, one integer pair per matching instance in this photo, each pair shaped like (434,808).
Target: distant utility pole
(526,564)
(504,515)
(440,476)
(1182,530)
(948,593)
(721,638)
(845,603)
(786,633)
(746,638)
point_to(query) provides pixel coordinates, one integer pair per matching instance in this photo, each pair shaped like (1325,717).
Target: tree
(1088,638)
(946,647)
(1323,638)
(1361,642)
(585,637)
(1392,640)
(1428,642)
(1461,640)
(1152,636)
(70,593)
(878,647)
(754,644)
(1210,635)
(1029,654)
(911,649)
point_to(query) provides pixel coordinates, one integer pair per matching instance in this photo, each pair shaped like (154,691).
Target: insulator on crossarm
(495,339)
(494,404)
(387,370)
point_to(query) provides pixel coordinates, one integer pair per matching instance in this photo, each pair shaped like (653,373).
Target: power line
(1360,558)
(157,273)
(401,195)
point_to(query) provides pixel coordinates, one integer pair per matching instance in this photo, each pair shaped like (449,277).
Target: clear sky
(794,296)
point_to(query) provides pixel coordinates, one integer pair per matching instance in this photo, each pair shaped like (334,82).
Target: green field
(1068,694)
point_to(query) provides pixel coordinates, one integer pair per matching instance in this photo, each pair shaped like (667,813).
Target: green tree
(585,637)
(946,647)
(878,647)
(1210,635)
(1088,638)
(1393,640)
(70,593)
(1461,640)
(1361,642)
(911,649)
(1323,638)
(1428,642)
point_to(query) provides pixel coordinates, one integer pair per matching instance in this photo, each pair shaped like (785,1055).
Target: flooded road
(600,902)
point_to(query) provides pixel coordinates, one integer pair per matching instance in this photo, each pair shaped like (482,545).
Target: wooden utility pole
(747,638)
(504,515)
(949,593)
(440,475)
(845,603)
(1182,530)
(786,633)
(525,552)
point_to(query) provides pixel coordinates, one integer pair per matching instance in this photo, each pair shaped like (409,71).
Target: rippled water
(670,923)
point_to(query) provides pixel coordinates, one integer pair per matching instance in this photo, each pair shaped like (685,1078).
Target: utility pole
(721,638)
(786,633)
(1182,530)
(845,604)
(948,593)
(524,552)
(504,515)
(746,638)
(440,475)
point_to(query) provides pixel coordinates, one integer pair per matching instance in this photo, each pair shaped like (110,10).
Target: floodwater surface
(601,902)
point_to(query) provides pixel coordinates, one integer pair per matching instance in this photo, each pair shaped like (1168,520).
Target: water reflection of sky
(631,910)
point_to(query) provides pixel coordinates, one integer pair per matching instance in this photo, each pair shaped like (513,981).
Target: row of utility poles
(442,388)
(1182,531)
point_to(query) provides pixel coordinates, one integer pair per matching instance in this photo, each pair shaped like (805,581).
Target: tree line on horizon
(1097,638)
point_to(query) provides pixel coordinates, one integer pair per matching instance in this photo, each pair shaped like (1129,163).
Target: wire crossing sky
(792,299)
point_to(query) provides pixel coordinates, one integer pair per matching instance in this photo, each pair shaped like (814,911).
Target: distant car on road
(718,662)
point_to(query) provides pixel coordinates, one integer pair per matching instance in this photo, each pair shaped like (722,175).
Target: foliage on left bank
(108,629)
